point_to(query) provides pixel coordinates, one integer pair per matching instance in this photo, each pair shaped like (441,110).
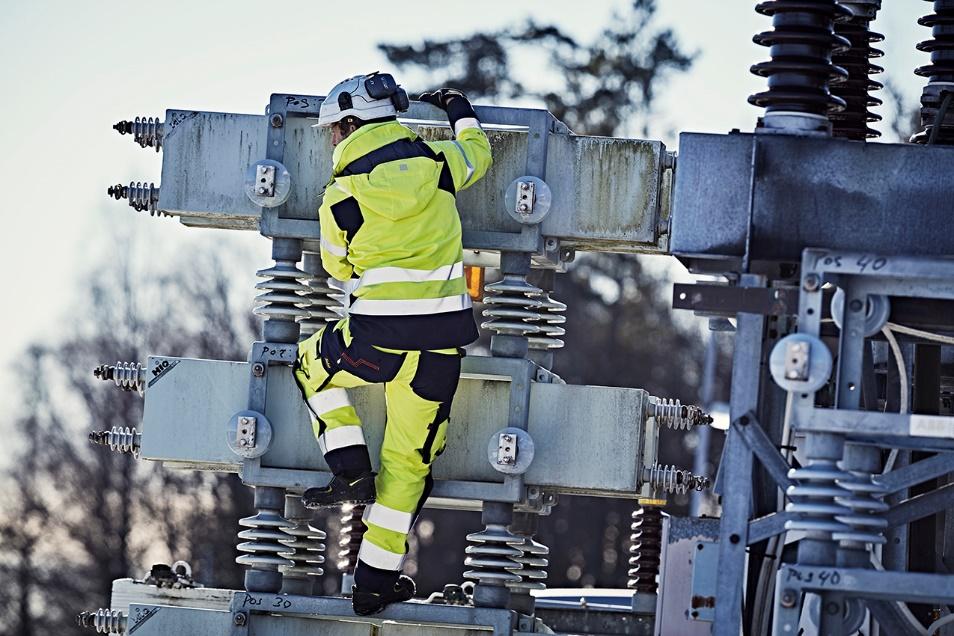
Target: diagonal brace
(918,472)
(921,506)
(758,442)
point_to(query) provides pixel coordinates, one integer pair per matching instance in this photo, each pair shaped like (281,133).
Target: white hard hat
(365,97)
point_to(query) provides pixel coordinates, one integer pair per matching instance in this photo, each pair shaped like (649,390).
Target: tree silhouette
(80,516)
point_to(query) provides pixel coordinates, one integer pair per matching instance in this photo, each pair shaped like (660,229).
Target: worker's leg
(418,403)
(330,362)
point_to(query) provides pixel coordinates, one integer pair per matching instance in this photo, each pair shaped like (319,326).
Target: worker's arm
(336,208)
(468,156)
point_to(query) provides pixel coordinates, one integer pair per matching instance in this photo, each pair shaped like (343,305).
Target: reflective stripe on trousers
(419,388)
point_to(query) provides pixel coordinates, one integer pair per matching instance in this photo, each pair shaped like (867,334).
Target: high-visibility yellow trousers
(419,387)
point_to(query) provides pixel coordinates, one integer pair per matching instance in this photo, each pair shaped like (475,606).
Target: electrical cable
(939,623)
(927,335)
(903,381)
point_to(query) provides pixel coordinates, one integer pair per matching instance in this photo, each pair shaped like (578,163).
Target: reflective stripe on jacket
(389,219)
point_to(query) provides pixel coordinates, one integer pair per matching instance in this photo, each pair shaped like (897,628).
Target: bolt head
(277,121)
(524,207)
(812,282)
(788,598)
(258,369)
(855,305)
(239,618)
(524,185)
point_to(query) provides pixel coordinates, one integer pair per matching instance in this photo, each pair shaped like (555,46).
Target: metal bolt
(832,608)
(258,369)
(239,618)
(277,121)
(524,185)
(788,598)
(551,244)
(812,282)
(524,207)
(243,442)
(855,305)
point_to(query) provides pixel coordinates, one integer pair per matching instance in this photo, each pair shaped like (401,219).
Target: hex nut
(258,369)
(239,618)
(277,121)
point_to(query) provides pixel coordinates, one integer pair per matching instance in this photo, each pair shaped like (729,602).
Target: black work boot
(367,603)
(341,490)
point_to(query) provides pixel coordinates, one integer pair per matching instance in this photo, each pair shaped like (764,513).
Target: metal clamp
(249,434)
(510,451)
(267,183)
(528,200)
(800,363)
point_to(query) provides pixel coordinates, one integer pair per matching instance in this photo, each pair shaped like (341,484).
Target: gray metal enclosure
(833,261)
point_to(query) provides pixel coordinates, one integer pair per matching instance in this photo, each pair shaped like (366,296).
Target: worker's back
(389,220)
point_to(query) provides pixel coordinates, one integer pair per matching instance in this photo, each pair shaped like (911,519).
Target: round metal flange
(528,200)
(510,451)
(877,311)
(249,434)
(267,183)
(800,363)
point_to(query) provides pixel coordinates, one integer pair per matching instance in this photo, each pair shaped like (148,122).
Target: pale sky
(72,69)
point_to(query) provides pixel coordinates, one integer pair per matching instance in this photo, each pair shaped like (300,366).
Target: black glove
(452,101)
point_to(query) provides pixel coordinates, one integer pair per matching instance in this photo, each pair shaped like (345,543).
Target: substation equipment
(832,259)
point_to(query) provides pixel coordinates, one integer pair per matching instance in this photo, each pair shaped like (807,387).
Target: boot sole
(335,504)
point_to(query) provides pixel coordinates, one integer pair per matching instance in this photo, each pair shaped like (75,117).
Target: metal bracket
(265,180)
(800,363)
(528,200)
(267,183)
(510,451)
(729,299)
(705,565)
(249,434)
(525,197)
(796,361)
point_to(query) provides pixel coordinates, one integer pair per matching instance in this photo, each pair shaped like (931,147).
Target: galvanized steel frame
(859,274)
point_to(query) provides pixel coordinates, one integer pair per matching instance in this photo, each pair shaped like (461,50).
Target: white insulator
(262,543)
(678,416)
(308,556)
(324,304)
(493,556)
(120,439)
(128,376)
(143,197)
(668,478)
(866,518)
(814,498)
(534,564)
(146,131)
(104,621)
(517,308)
(282,297)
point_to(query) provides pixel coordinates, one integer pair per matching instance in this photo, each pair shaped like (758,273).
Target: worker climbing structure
(833,256)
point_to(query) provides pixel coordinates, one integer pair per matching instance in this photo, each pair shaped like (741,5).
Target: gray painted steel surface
(801,192)
(607,193)
(188,406)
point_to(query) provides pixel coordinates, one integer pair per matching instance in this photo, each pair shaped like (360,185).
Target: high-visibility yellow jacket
(389,220)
